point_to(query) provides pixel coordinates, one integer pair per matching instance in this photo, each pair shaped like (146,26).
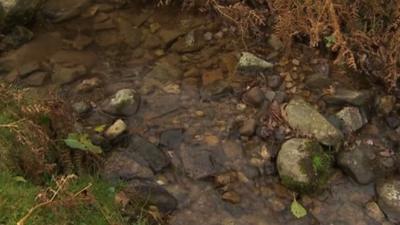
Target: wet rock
(147,193)
(17,37)
(124,102)
(389,198)
(23,71)
(197,162)
(357,162)
(154,156)
(164,71)
(81,42)
(35,79)
(208,36)
(65,75)
(385,104)
(172,138)
(250,62)
(280,97)
(393,121)
(303,165)
(17,12)
(303,117)
(317,80)
(254,96)
(116,129)
(216,90)
(270,95)
(60,10)
(346,96)
(275,42)
(189,43)
(351,119)
(248,127)
(375,212)
(124,165)
(212,76)
(88,85)
(81,107)
(274,81)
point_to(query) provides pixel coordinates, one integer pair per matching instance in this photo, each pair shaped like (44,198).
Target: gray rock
(116,129)
(248,127)
(385,104)
(346,96)
(81,107)
(60,10)
(357,162)
(124,165)
(197,162)
(147,193)
(389,198)
(208,36)
(250,62)
(307,120)
(254,96)
(154,156)
(17,12)
(302,164)
(274,81)
(351,118)
(124,102)
(65,75)
(171,138)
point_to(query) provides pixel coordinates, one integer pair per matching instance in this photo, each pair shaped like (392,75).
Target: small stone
(275,42)
(375,212)
(270,95)
(154,27)
(254,96)
(116,129)
(248,127)
(88,85)
(393,121)
(81,42)
(197,162)
(250,62)
(274,81)
(211,140)
(389,198)
(317,80)
(210,77)
(351,118)
(81,107)
(36,79)
(231,196)
(200,113)
(296,62)
(219,35)
(347,96)
(172,138)
(385,104)
(172,89)
(208,36)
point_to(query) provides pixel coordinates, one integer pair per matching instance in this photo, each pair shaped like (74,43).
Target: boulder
(307,120)
(303,165)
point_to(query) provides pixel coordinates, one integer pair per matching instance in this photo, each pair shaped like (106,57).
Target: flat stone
(154,156)
(81,42)
(197,162)
(124,165)
(248,127)
(65,75)
(250,62)
(164,71)
(254,96)
(346,96)
(307,120)
(171,138)
(116,129)
(317,80)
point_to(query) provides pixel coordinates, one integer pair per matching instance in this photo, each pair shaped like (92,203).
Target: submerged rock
(389,198)
(61,10)
(65,75)
(250,62)
(346,96)
(385,104)
(303,117)
(303,165)
(124,102)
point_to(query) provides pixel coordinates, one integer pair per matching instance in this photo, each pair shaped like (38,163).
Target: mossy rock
(303,165)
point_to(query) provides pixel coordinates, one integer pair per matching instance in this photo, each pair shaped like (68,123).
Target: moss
(318,167)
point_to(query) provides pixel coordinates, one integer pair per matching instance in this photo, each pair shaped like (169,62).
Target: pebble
(254,96)
(208,36)
(274,81)
(248,127)
(231,196)
(116,129)
(81,107)
(219,35)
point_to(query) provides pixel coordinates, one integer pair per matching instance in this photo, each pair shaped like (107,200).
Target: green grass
(17,197)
